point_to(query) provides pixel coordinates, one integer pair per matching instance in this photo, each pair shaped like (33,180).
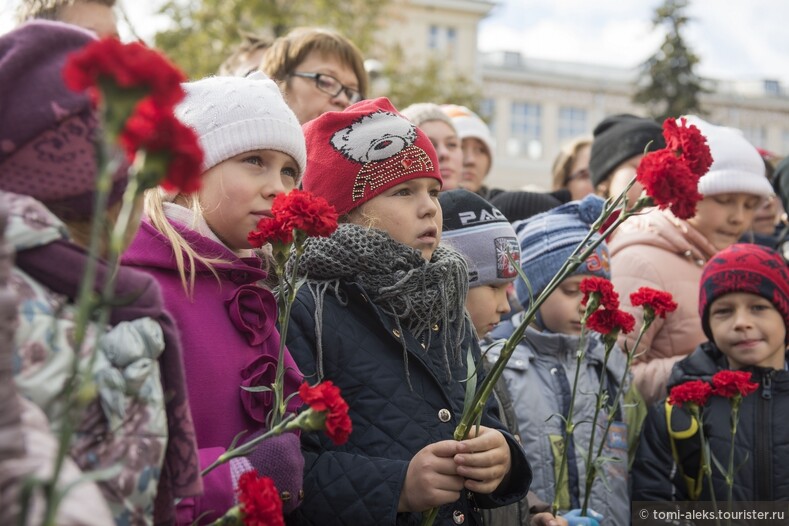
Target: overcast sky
(735,39)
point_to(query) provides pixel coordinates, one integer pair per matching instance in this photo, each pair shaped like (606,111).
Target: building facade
(535,106)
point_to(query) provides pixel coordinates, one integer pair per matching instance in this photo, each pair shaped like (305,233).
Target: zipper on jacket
(763,430)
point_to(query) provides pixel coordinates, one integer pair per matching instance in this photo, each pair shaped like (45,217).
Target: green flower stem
(569,427)
(735,419)
(289,423)
(76,387)
(648,319)
(591,463)
(705,457)
(285,300)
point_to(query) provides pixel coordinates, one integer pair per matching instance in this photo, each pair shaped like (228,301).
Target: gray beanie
(482,235)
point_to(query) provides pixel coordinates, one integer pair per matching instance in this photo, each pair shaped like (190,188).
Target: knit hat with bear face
(359,153)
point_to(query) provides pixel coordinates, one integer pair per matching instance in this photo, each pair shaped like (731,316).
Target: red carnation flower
(307,212)
(325,398)
(259,500)
(166,139)
(607,296)
(669,182)
(611,322)
(610,220)
(693,392)
(131,66)
(729,384)
(270,230)
(688,144)
(658,301)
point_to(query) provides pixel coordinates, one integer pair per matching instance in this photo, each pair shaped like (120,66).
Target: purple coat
(229,339)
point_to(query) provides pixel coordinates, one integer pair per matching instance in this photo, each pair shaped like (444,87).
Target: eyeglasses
(330,85)
(581,175)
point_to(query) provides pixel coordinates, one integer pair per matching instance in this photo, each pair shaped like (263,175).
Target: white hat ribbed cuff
(265,133)
(734,181)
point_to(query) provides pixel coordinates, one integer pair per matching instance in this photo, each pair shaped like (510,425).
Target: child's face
(724,218)
(749,330)
(486,304)
(561,313)
(238,192)
(450,155)
(409,212)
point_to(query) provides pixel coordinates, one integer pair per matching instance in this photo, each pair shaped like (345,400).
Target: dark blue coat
(761,444)
(359,483)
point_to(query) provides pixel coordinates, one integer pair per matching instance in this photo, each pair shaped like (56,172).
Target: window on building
(785,141)
(526,130)
(433,37)
(756,135)
(487,110)
(452,41)
(572,122)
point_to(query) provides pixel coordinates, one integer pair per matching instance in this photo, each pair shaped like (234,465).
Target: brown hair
(250,44)
(50,9)
(287,52)
(564,161)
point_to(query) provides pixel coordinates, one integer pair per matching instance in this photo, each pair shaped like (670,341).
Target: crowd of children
(418,280)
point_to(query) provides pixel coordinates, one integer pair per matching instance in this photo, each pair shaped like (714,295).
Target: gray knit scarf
(416,293)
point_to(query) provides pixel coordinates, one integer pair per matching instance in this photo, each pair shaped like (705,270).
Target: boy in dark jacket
(744,307)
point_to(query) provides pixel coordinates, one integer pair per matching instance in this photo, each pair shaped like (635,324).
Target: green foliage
(205,32)
(434,80)
(668,84)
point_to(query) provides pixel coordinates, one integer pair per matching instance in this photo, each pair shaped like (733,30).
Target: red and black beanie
(359,153)
(744,267)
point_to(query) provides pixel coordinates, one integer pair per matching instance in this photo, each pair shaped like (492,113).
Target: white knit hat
(736,167)
(233,115)
(422,112)
(469,125)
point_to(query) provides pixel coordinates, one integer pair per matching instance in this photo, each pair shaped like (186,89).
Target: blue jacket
(359,483)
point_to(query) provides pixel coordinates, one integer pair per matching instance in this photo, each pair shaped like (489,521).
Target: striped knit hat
(548,239)
(482,234)
(744,267)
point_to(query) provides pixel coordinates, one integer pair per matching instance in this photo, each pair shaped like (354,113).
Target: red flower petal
(325,397)
(660,302)
(693,392)
(260,502)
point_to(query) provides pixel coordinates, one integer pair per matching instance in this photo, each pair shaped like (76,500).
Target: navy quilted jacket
(359,482)
(761,442)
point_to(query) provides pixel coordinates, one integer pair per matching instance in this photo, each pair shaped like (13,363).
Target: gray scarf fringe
(416,293)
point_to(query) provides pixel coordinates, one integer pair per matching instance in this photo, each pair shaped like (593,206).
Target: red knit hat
(356,154)
(744,267)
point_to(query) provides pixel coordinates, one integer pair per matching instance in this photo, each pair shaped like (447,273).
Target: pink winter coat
(659,251)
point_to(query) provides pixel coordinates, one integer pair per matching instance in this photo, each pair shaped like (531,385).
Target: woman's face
(303,95)
(579,183)
(450,155)
(620,178)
